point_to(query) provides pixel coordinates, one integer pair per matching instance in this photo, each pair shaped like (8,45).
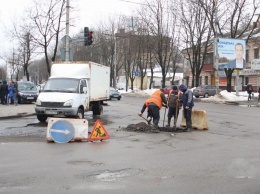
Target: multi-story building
(249,75)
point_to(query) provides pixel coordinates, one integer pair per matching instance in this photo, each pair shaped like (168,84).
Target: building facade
(249,75)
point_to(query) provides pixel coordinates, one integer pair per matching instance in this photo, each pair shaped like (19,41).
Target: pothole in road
(143,127)
(40,124)
(118,174)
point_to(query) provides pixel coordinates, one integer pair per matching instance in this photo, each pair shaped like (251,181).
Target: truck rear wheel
(42,118)
(80,114)
(97,108)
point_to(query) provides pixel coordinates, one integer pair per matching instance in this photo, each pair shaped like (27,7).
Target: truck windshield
(62,85)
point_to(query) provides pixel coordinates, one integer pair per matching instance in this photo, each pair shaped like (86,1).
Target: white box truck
(72,89)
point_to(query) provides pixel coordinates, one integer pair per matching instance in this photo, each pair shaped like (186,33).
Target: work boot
(169,121)
(187,130)
(155,128)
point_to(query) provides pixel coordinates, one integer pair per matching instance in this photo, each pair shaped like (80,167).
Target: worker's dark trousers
(154,111)
(187,115)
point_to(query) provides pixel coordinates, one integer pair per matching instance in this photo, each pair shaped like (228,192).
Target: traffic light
(87,37)
(90,41)
(86,31)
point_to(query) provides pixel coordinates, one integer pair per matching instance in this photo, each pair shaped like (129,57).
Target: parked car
(114,94)
(167,89)
(204,90)
(27,92)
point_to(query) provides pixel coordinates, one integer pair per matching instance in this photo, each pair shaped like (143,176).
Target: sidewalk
(12,111)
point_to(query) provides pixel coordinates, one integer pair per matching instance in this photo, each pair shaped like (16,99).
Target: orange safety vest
(155,98)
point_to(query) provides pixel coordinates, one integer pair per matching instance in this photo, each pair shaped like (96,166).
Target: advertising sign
(255,64)
(231,53)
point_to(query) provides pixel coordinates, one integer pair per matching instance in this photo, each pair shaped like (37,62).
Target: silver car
(205,91)
(114,94)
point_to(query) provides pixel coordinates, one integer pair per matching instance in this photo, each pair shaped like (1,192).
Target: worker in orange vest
(154,104)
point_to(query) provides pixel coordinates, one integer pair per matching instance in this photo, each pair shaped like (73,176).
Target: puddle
(247,105)
(243,177)
(39,124)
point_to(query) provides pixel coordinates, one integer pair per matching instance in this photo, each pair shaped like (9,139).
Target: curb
(19,115)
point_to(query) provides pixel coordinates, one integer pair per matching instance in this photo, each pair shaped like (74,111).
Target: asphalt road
(224,159)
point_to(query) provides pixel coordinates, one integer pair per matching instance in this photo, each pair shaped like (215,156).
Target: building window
(200,81)
(247,55)
(256,53)
(209,58)
(206,80)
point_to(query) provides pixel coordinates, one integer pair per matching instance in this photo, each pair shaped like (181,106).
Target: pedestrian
(11,93)
(4,92)
(16,93)
(187,102)
(0,91)
(173,103)
(249,90)
(154,104)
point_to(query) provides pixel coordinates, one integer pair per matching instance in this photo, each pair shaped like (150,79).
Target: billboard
(255,64)
(231,52)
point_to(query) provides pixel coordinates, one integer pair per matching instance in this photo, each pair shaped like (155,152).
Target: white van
(72,89)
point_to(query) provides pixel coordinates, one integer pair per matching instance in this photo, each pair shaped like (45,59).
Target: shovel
(164,116)
(176,118)
(148,122)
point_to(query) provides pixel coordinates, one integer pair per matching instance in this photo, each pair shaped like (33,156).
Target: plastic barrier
(62,130)
(199,120)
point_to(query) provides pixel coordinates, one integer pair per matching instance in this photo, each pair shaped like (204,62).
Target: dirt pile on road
(143,127)
(139,127)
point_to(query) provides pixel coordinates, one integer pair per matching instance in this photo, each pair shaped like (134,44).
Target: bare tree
(19,33)
(14,63)
(46,19)
(161,20)
(196,36)
(3,73)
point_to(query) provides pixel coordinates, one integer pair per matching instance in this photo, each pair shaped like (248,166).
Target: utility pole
(115,64)
(216,51)
(25,68)
(67,31)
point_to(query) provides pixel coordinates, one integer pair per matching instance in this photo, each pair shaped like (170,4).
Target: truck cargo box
(98,76)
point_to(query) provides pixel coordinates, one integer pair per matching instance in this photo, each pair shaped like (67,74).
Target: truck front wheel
(42,118)
(80,114)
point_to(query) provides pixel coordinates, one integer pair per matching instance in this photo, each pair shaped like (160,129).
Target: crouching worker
(187,102)
(154,104)
(173,105)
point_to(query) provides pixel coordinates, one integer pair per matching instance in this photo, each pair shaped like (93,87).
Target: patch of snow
(221,97)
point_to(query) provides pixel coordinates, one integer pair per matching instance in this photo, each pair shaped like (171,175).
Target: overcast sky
(90,12)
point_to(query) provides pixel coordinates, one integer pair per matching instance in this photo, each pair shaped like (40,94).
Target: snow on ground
(223,96)
(229,96)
